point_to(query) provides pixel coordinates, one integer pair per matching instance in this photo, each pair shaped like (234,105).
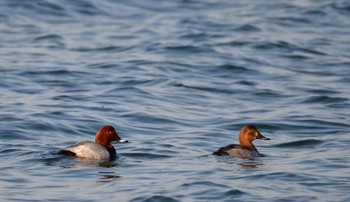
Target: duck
(245,149)
(101,149)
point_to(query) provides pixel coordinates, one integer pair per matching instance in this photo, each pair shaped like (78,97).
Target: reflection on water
(252,164)
(54,159)
(246,163)
(85,162)
(107,176)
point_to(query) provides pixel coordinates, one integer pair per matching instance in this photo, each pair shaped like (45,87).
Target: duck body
(245,148)
(101,149)
(238,151)
(91,150)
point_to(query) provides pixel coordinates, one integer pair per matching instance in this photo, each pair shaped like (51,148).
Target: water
(177,79)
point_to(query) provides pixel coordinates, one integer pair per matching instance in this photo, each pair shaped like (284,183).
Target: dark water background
(177,79)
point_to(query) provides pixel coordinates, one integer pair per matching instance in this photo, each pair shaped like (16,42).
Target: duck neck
(248,144)
(108,146)
(111,151)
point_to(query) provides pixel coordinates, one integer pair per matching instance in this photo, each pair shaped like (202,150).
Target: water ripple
(301,143)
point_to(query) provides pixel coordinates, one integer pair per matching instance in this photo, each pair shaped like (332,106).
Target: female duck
(245,148)
(101,149)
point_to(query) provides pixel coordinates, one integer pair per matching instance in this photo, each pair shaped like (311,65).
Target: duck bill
(122,140)
(261,137)
(118,139)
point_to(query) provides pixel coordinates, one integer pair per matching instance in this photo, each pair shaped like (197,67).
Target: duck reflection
(246,163)
(77,162)
(250,164)
(107,177)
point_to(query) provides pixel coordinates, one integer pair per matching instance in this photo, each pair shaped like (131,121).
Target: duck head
(106,134)
(249,133)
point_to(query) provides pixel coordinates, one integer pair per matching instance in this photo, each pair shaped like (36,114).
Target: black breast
(112,152)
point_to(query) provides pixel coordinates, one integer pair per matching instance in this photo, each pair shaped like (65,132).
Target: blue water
(178,79)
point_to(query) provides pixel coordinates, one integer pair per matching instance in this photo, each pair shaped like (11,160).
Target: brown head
(249,133)
(106,134)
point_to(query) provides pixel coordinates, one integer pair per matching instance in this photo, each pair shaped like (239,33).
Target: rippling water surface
(178,79)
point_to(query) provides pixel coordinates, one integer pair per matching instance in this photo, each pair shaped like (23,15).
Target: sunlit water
(178,79)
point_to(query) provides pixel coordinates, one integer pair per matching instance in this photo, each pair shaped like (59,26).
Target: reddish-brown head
(249,133)
(106,134)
